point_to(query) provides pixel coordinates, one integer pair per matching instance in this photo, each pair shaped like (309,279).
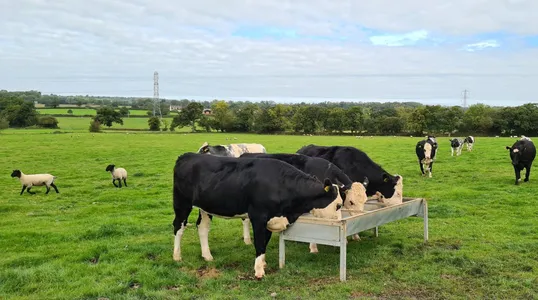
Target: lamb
(30,180)
(117,174)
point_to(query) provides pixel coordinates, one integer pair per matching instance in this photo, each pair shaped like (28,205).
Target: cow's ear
(508,147)
(327,185)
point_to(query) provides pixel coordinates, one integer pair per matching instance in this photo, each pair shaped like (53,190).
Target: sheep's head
(110,168)
(16,173)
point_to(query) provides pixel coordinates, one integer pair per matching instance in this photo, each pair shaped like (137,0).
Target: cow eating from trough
(469,141)
(352,193)
(522,154)
(426,150)
(232,150)
(356,165)
(271,193)
(456,145)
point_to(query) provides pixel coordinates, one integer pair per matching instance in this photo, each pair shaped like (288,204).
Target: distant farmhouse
(175,107)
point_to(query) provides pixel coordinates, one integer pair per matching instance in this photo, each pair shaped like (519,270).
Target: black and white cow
(233,150)
(271,193)
(456,144)
(426,150)
(470,142)
(356,165)
(353,193)
(522,154)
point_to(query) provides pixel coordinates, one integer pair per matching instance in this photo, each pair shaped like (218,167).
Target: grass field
(93,240)
(83,111)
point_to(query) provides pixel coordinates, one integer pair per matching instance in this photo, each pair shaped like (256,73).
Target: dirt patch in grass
(207,272)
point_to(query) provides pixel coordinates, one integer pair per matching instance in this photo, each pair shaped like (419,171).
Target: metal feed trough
(309,229)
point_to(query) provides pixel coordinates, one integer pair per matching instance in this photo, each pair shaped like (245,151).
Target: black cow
(456,144)
(271,193)
(522,154)
(357,165)
(353,193)
(426,150)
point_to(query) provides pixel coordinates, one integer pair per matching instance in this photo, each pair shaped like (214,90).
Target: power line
(465,95)
(156,102)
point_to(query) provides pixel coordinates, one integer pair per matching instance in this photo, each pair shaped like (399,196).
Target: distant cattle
(469,141)
(426,150)
(456,144)
(271,193)
(356,165)
(233,150)
(352,193)
(522,154)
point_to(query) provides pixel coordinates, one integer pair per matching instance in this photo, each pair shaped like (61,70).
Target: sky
(280,50)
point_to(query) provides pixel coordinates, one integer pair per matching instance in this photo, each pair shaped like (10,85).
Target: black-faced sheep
(117,174)
(30,180)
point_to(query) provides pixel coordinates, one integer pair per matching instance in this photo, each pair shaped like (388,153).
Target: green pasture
(83,111)
(93,240)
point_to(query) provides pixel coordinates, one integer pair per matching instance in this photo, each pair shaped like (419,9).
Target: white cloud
(310,48)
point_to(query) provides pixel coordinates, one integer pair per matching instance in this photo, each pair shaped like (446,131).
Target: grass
(84,111)
(93,240)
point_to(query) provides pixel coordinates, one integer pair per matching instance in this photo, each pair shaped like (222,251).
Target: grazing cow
(357,165)
(352,193)
(426,150)
(232,150)
(456,144)
(470,142)
(271,193)
(522,154)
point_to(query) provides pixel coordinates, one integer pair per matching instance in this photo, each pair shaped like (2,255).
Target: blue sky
(276,50)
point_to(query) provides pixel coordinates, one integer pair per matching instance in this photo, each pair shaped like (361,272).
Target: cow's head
(454,143)
(397,196)
(515,153)
(217,150)
(331,211)
(430,149)
(16,173)
(354,196)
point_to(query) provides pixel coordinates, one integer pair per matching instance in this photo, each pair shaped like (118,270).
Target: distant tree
(4,123)
(47,122)
(95,126)
(124,111)
(107,115)
(70,111)
(245,117)
(154,123)
(223,118)
(165,124)
(188,116)
(354,119)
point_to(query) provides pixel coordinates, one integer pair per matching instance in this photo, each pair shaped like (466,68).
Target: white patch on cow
(203,233)
(246,232)
(259,265)
(516,150)
(330,212)
(277,224)
(177,243)
(427,153)
(397,197)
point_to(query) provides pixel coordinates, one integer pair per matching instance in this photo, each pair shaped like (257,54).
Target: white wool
(29,180)
(119,173)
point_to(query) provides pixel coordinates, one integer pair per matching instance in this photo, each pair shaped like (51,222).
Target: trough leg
(425,208)
(281,251)
(343,253)
(376,231)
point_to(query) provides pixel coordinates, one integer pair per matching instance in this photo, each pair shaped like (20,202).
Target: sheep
(117,174)
(30,180)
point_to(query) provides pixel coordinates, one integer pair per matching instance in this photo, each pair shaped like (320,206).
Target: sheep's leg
(29,192)
(119,182)
(55,188)
(125,181)
(23,188)
(48,189)
(114,182)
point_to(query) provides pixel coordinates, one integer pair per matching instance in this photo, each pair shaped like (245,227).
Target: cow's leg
(451,151)
(203,233)
(527,172)
(421,167)
(246,231)
(261,240)
(518,174)
(182,210)
(430,168)
(55,188)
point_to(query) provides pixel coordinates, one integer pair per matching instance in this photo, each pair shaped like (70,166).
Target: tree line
(361,118)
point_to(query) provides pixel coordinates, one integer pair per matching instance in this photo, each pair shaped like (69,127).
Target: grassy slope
(93,240)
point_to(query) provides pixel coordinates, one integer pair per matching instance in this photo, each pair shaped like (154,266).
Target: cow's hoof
(247,241)
(208,257)
(177,257)
(526,179)
(356,237)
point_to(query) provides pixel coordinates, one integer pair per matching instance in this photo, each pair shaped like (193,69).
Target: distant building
(175,107)
(207,111)
(38,105)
